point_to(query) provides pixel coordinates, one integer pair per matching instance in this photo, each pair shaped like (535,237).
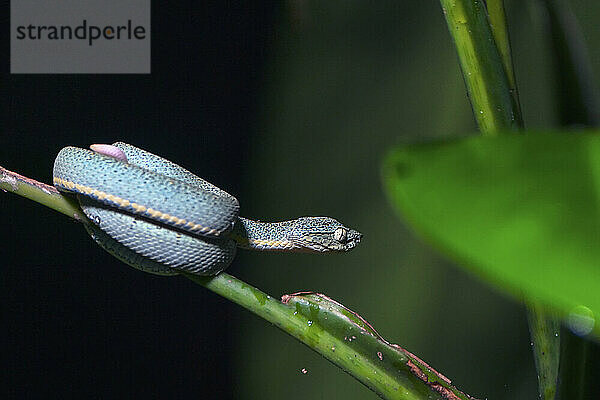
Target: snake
(156,216)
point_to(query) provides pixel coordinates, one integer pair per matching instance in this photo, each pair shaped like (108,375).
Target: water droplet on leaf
(581,320)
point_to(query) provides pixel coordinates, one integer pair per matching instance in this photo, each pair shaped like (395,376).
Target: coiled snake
(158,217)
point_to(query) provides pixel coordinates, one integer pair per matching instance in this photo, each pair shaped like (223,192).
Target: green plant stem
(499,27)
(327,327)
(41,193)
(483,46)
(482,66)
(575,376)
(340,336)
(544,327)
(576,104)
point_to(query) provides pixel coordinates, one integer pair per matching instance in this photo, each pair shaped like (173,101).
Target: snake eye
(340,234)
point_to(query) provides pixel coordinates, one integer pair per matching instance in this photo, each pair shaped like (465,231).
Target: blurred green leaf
(519,210)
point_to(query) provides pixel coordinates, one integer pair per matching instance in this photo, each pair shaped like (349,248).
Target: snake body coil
(158,217)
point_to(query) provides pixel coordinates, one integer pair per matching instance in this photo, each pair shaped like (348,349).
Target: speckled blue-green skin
(157,183)
(161,246)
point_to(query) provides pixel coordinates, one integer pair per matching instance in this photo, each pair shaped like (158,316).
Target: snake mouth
(354,238)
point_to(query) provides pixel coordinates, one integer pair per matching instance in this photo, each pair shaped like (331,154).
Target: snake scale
(158,217)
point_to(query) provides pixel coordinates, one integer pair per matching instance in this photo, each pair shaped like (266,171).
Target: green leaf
(519,210)
(389,370)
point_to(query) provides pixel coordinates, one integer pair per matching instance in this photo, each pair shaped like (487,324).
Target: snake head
(323,234)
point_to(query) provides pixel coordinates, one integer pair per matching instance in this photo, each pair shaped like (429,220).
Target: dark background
(74,320)
(290,106)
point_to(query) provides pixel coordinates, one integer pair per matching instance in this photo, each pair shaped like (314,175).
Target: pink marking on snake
(109,150)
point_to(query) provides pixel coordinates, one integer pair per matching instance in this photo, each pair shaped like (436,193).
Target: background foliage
(292,110)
